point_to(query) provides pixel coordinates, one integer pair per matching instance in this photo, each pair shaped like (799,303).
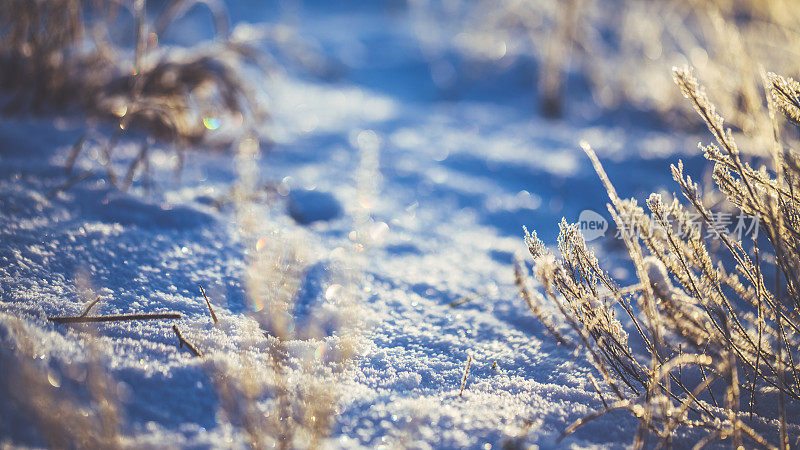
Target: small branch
(90,306)
(208,303)
(182,342)
(466,299)
(711,394)
(464,379)
(114,318)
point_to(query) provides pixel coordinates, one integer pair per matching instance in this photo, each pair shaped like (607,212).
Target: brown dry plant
(623,49)
(280,388)
(58,55)
(724,316)
(39,392)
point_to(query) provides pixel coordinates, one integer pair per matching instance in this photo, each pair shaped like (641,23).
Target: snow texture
(457,179)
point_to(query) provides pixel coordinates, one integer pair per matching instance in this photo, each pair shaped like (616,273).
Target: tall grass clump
(61,56)
(621,50)
(708,336)
(37,395)
(61,53)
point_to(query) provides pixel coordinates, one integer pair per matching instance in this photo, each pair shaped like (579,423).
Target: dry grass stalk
(557,58)
(182,341)
(85,318)
(464,300)
(168,92)
(208,303)
(464,378)
(113,318)
(39,392)
(692,314)
(58,55)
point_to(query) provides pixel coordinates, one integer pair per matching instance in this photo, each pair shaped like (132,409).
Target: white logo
(592,225)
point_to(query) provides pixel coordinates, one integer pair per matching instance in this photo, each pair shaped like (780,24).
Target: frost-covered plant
(280,389)
(59,54)
(719,315)
(623,48)
(36,394)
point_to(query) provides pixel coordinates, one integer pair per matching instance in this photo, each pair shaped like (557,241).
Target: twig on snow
(113,318)
(182,341)
(460,301)
(208,303)
(464,379)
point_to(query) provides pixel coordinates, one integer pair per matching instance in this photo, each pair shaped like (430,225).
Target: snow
(310,205)
(455,182)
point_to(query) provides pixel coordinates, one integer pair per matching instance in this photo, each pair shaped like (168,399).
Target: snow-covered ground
(457,178)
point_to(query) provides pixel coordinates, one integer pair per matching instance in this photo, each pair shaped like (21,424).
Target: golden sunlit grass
(34,390)
(623,50)
(721,315)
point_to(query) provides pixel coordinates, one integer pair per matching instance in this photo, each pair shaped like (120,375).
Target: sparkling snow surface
(457,180)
